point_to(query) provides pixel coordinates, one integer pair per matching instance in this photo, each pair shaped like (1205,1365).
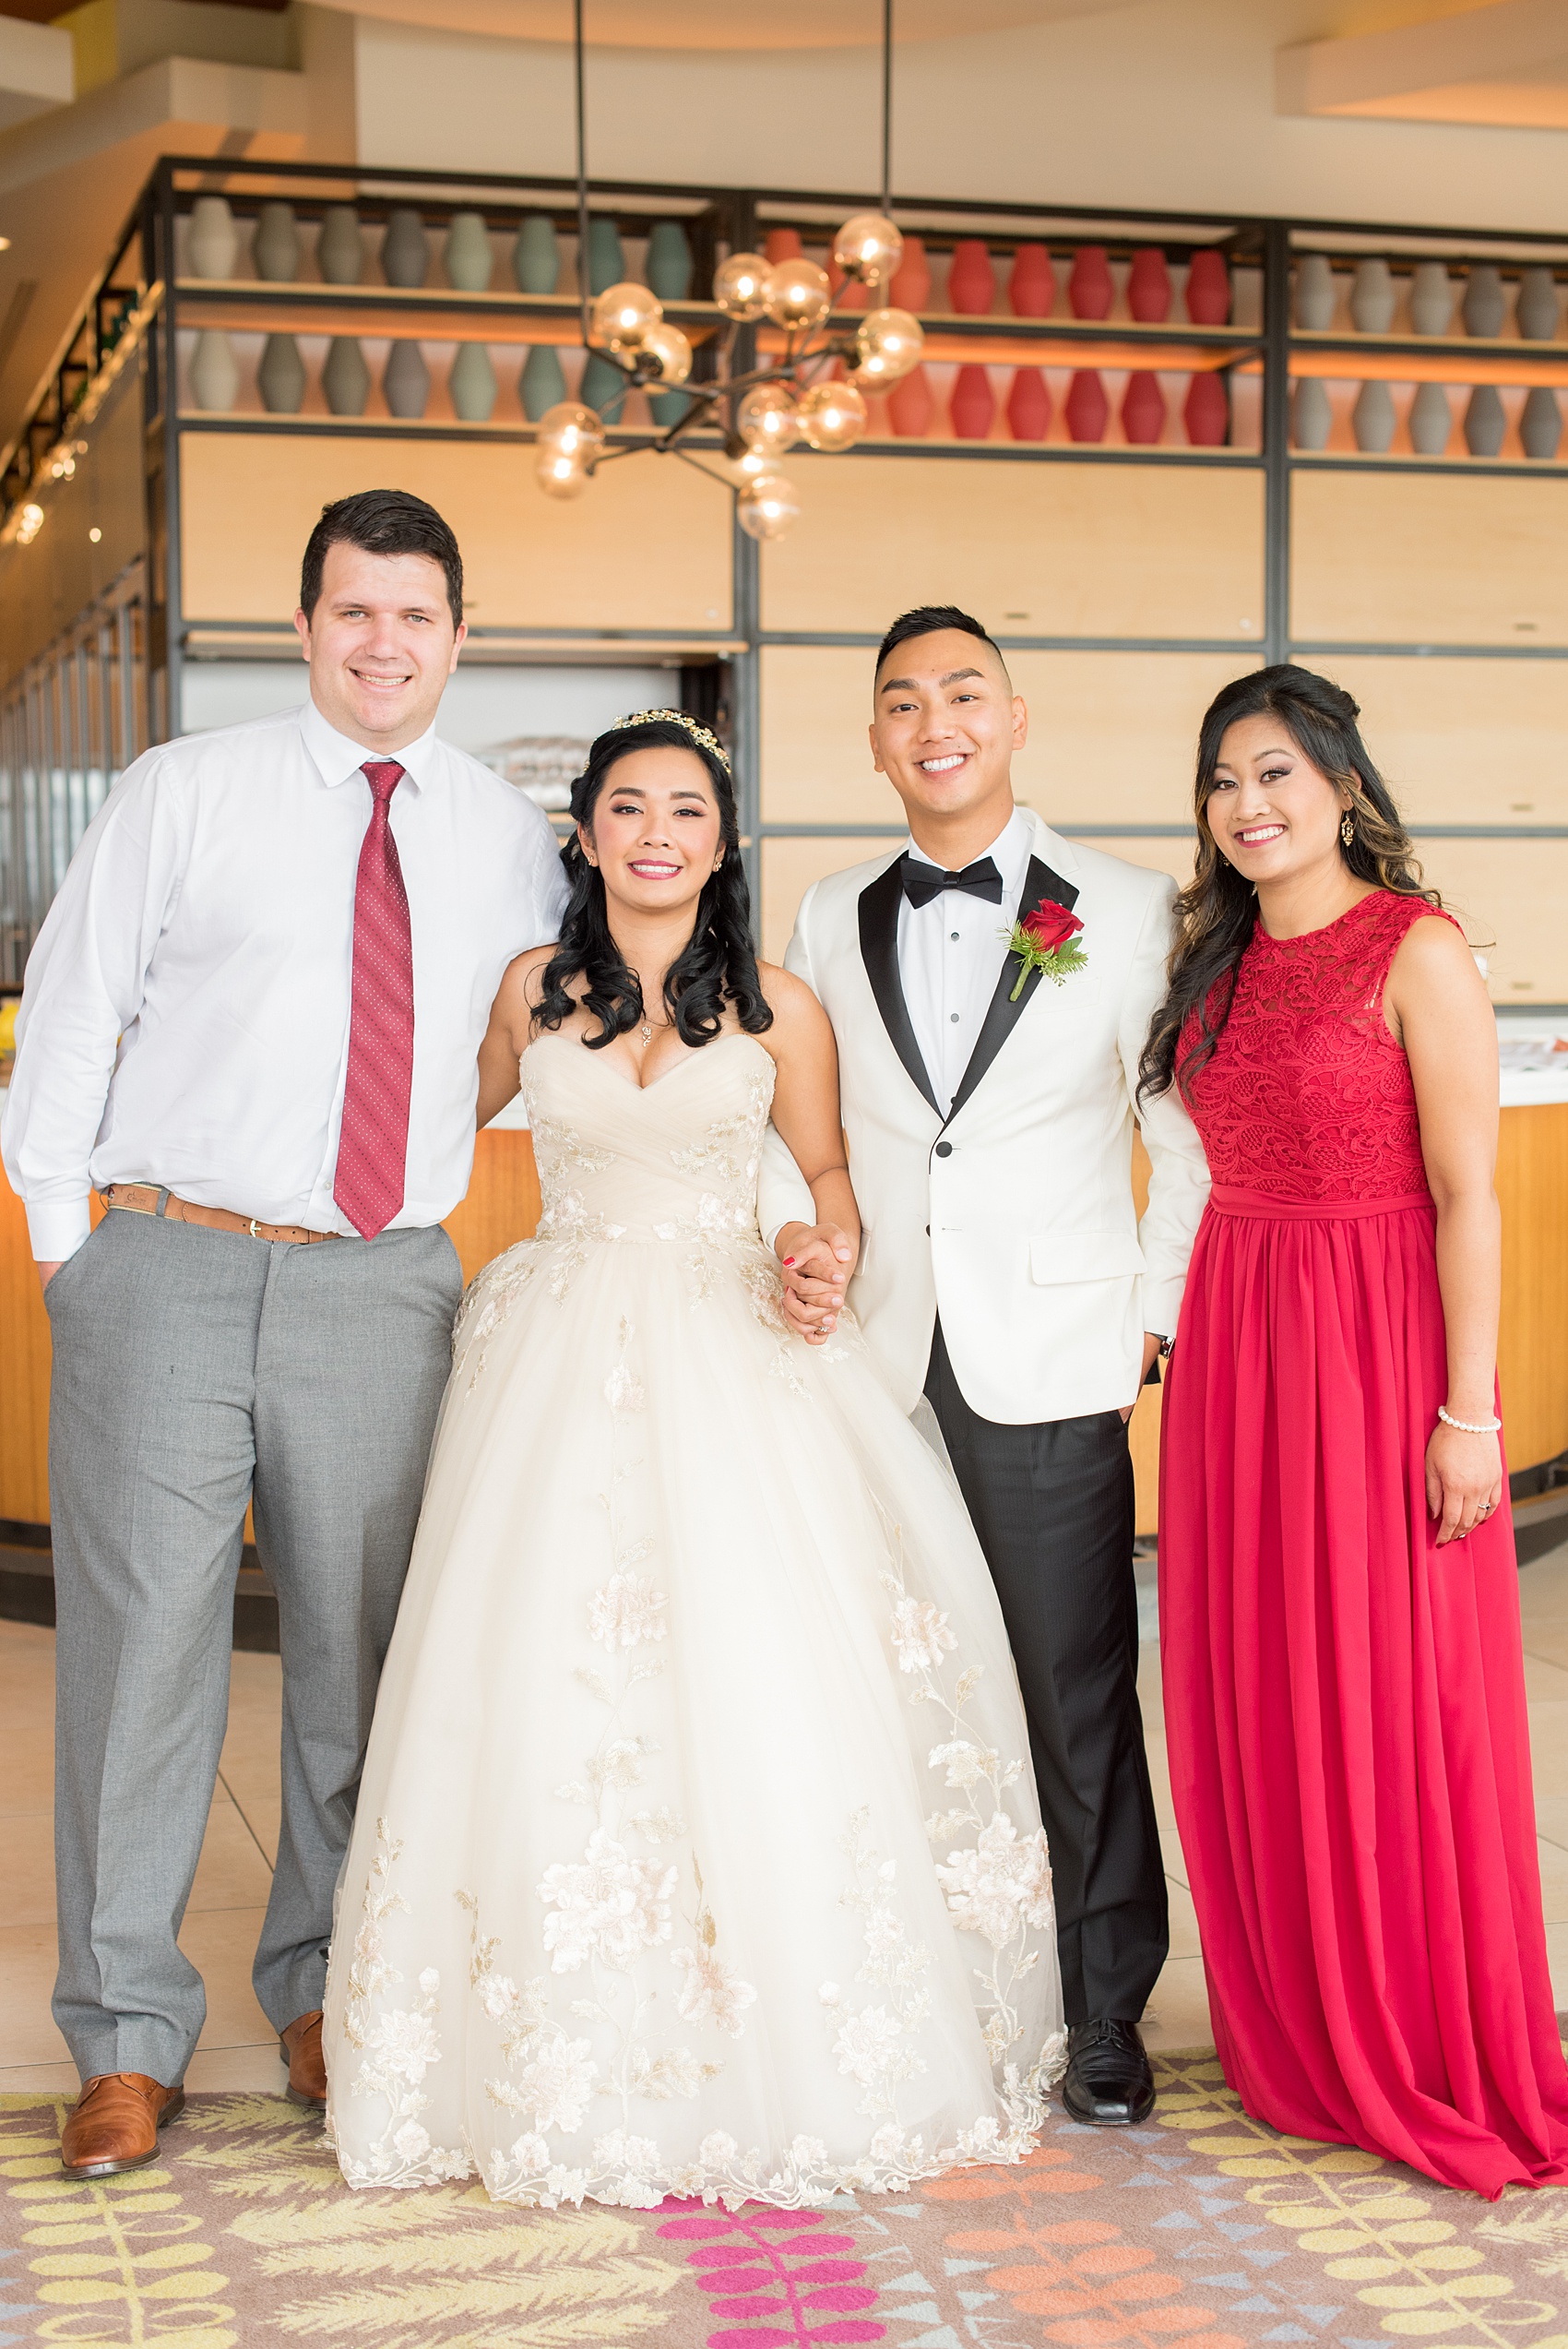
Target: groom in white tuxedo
(989,1107)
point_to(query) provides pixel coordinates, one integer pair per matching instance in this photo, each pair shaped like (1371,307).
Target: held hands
(1151,1348)
(817,1261)
(1464,1481)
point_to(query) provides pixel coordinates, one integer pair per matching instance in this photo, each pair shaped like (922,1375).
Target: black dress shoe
(1108,2083)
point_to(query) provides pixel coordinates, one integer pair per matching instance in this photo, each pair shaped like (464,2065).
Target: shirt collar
(338,758)
(1009,851)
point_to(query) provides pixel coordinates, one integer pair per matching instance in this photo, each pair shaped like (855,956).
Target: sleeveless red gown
(1344,1701)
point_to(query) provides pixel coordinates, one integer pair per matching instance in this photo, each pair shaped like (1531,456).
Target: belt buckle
(254,1233)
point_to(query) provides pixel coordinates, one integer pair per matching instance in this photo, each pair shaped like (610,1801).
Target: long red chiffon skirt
(1344,1706)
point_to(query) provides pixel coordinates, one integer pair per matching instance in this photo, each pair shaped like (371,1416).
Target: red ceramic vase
(1028,405)
(1088,411)
(1207,412)
(1209,288)
(911,410)
(1142,409)
(971,280)
(973,405)
(858,294)
(1091,288)
(1031,289)
(1148,286)
(782,245)
(910,289)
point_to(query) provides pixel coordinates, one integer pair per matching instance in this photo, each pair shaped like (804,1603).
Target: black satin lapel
(879,951)
(1004,1014)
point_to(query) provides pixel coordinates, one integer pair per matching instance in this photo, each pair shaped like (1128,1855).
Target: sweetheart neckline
(735,1036)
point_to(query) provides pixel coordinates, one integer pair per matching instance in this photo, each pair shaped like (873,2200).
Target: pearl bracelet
(1469,1426)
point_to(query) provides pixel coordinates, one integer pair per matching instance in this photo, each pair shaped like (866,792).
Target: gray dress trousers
(192,1369)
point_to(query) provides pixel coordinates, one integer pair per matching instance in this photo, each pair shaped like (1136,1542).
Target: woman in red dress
(1338,1596)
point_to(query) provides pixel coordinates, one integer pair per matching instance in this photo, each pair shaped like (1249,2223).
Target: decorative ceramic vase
(275,248)
(668,265)
(1031,287)
(472,384)
(1086,409)
(1484,304)
(1536,308)
(543,381)
(1142,409)
(213,241)
(971,280)
(910,289)
(345,378)
(1431,299)
(405,248)
(911,409)
(1149,288)
(281,378)
(1372,418)
(1028,405)
(1312,413)
(339,249)
(1315,294)
(467,256)
(1372,297)
(1486,420)
(779,244)
(536,256)
(215,372)
(1091,288)
(1208,289)
(1206,411)
(405,380)
(606,262)
(972,407)
(1541,424)
(667,407)
(857,297)
(604,385)
(1431,420)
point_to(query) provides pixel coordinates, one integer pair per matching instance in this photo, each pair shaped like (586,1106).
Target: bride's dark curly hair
(717,965)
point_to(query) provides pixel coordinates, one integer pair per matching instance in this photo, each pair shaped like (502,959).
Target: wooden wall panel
(788,868)
(646,546)
(1424,558)
(1464,741)
(1532,1368)
(1510,895)
(1037,550)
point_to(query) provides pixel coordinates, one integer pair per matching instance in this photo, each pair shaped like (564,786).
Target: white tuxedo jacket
(1013,1217)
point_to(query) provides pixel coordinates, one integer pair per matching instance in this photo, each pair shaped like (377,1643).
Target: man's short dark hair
(925,620)
(382,521)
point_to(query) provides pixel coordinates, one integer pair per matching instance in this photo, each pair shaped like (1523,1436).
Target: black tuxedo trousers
(1053,1506)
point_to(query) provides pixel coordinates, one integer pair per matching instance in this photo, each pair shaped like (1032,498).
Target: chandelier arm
(584,297)
(698,467)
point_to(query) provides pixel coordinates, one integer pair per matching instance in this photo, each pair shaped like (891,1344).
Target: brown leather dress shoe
(301,2042)
(115,2122)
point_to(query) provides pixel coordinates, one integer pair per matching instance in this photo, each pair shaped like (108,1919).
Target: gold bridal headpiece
(699,733)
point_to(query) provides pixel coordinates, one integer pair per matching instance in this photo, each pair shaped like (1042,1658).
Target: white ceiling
(723,24)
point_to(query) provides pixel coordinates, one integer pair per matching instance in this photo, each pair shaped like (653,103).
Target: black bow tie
(922,882)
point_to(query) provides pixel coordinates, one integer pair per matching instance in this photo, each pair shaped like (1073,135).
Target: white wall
(481,707)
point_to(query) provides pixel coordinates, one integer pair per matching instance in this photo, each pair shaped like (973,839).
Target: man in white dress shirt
(251,1024)
(989,1108)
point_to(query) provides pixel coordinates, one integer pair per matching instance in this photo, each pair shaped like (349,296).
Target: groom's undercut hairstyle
(382,521)
(928,620)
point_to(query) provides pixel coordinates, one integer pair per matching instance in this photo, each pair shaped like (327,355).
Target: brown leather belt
(143,1198)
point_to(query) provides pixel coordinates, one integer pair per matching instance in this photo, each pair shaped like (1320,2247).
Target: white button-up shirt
(950,957)
(186,1017)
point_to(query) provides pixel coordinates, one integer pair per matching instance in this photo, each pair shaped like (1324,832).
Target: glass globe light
(623,315)
(889,343)
(560,475)
(833,416)
(571,430)
(869,247)
(769,419)
(740,287)
(767,506)
(670,351)
(798,296)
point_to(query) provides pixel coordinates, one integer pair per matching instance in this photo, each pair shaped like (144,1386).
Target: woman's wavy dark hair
(1215,912)
(717,965)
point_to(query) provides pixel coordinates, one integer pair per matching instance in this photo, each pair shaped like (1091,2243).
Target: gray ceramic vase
(213,244)
(405,248)
(1486,420)
(1536,308)
(1315,292)
(1431,299)
(339,249)
(345,379)
(536,256)
(1372,418)
(606,262)
(543,381)
(1372,297)
(1312,413)
(406,380)
(275,248)
(215,372)
(1485,304)
(467,254)
(669,266)
(281,378)
(472,384)
(1541,424)
(1432,419)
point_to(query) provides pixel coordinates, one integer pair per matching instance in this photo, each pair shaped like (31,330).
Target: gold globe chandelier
(814,391)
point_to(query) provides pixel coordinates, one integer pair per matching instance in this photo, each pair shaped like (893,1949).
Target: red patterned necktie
(373,1147)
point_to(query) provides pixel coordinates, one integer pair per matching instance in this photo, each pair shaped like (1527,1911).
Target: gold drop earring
(1347,829)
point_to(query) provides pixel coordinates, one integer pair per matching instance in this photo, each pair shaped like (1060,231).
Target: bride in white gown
(697,1849)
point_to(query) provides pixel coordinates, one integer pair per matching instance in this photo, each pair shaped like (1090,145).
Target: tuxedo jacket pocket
(1058,1257)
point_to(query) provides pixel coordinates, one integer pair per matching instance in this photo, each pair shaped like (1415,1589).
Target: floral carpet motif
(1203,2231)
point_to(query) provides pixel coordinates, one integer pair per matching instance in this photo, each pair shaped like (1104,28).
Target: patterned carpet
(1206,2231)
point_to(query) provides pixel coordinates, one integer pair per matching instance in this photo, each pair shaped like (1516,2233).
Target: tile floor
(238,2051)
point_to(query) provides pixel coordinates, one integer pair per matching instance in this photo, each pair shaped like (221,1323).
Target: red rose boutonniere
(1043,940)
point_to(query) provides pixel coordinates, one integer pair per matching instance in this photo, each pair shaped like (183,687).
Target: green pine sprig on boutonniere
(1045,940)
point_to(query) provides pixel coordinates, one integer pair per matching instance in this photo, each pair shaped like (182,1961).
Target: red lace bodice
(1308,1096)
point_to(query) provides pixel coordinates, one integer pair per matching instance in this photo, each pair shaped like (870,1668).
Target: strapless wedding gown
(698,1851)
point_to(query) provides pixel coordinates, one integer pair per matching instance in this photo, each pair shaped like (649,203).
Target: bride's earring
(1347,829)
